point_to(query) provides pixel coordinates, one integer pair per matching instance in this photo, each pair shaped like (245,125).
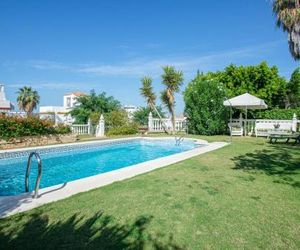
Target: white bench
(236,128)
(262,127)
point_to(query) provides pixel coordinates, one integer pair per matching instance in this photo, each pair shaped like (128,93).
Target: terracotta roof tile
(76,93)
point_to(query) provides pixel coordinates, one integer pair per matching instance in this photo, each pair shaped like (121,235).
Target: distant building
(61,112)
(69,102)
(130,109)
(5,105)
(70,99)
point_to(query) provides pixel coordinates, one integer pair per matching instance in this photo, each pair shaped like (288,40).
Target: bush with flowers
(16,127)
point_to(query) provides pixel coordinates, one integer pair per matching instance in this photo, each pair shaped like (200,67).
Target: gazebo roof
(246,101)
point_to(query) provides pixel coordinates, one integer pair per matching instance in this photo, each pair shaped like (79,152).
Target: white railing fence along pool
(250,127)
(89,129)
(157,125)
(80,129)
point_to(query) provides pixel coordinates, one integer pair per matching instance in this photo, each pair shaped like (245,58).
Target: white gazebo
(245,101)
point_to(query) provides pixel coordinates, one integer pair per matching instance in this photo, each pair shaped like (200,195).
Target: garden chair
(236,129)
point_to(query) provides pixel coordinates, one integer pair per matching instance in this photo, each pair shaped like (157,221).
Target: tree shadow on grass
(76,232)
(280,161)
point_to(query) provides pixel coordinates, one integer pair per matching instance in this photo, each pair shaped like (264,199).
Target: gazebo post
(230,124)
(246,117)
(230,120)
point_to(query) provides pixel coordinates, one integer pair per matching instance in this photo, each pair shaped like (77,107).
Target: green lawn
(246,195)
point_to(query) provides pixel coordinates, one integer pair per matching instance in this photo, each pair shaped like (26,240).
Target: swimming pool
(73,162)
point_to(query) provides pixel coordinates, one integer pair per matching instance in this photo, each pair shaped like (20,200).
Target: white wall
(54,109)
(70,101)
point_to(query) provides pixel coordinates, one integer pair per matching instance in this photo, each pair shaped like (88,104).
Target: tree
(116,118)
(204,106)
(293,90)
(147,92)
(259,80)
(141,115)
(172,80)
(288,18)
(28,99)
(90,104)
(117,122)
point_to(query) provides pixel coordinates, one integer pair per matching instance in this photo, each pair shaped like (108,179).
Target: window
(68,102)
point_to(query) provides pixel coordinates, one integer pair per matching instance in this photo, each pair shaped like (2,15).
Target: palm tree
(172,79)
(28,99)
(147,92)
(288,18)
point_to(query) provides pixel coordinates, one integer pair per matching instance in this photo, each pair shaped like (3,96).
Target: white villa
(130,109)
(61,112)
(5,105)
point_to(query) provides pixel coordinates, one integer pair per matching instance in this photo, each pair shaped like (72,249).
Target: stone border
(10,205)
(37,140)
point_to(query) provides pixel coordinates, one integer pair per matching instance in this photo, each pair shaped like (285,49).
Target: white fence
(80,129)
(88,129)
(157,125)
(261,127)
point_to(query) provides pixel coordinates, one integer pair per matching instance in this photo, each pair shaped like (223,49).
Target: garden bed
(32,141)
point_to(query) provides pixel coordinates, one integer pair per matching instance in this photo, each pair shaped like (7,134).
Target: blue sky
(61,46)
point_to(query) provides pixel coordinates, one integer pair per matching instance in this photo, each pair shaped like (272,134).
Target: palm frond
(147,90)
(288,18)
(27,99)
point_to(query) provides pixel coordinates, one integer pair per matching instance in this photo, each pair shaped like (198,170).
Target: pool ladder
(38,179)
(178,140)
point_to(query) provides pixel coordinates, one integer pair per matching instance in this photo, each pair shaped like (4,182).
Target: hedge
(280,114)
(15,127)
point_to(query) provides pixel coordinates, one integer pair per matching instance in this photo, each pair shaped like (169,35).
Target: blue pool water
(61,165)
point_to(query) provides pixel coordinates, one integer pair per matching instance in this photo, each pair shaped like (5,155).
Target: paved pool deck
(10,205)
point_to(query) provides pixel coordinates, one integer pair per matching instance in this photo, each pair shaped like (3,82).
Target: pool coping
(10,205)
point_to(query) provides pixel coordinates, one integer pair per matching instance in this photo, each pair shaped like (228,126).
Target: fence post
(101,127)
(294,123)
(242,124)
(150,122)
(89,126)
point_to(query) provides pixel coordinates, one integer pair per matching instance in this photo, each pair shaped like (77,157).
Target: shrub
(141,116)
(204,107)
(293,89)
(124,130)
(14,127)
(94,116)
(118,123)
(280,114)
(116,118)
(62,129)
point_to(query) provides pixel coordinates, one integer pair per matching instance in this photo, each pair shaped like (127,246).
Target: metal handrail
(38,179)
(178,140)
